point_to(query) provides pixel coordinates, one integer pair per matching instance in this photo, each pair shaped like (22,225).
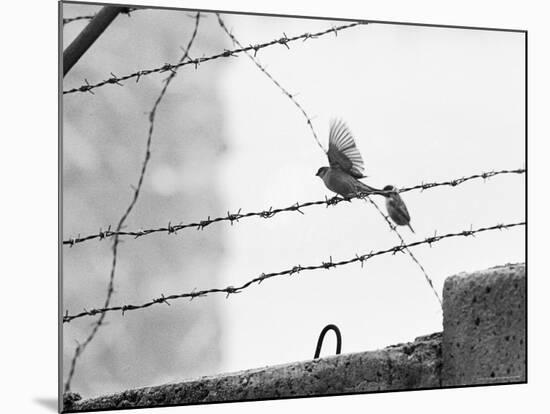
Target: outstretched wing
(343,154)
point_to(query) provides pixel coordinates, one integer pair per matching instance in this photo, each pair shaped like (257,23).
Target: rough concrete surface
(484,324)
(404,366)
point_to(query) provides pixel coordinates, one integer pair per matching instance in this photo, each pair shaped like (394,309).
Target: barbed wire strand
(262,68)
(284,40)
(82,346)
(393,227)
(235,217)
(229,290)
(67,20)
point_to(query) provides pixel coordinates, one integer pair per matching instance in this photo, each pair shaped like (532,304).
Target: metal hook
(322,337)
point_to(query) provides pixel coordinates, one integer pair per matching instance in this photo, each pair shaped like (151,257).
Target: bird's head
(321,172)
(390,189)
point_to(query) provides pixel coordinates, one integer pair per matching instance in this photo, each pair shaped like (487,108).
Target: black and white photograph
(262,207)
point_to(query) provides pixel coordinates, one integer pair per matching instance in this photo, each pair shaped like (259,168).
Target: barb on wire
(88,87)
(67,20)
(406,249)
(229,290)
(81,347)
(285,92)
(270,212)
(458,181)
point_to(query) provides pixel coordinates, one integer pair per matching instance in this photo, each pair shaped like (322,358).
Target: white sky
(425,104)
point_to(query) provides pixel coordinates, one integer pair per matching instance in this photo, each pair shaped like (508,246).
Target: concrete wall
(484,324)
(483,342)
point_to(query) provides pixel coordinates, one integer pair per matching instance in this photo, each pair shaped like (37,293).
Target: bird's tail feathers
(410,227)
(364,188)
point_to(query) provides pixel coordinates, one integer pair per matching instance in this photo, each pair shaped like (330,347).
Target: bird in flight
(345,163)
(346,167)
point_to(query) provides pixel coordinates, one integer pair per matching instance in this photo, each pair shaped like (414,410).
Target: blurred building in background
(104,138)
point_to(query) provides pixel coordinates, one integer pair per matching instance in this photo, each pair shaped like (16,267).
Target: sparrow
(345,163)
(397,210)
